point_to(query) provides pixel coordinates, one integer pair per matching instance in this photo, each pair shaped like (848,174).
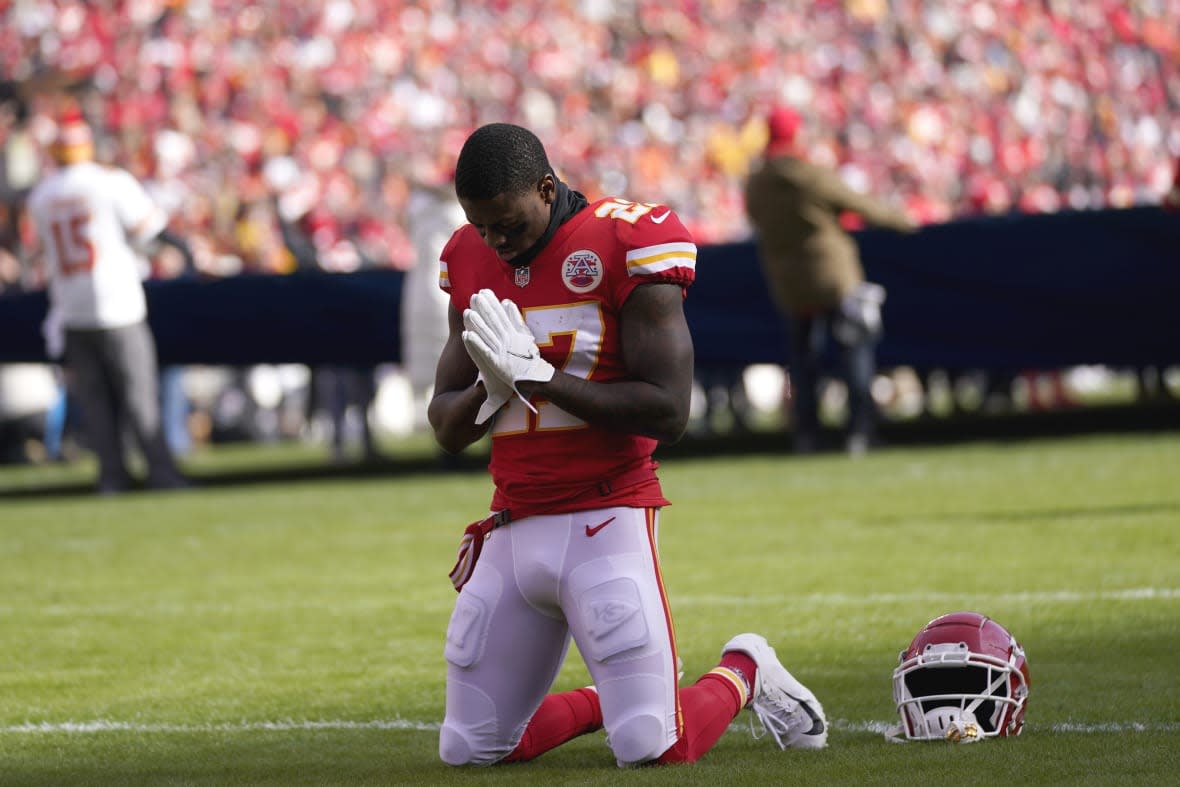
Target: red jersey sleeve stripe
(662,257)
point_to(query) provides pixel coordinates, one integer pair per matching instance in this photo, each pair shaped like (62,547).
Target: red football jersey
(571,295)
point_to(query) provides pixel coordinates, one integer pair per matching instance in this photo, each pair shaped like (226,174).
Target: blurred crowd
(289,134)
(245,117)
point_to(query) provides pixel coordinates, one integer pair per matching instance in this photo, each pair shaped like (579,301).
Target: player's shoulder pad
(656,242)
(641,223)
(466,235)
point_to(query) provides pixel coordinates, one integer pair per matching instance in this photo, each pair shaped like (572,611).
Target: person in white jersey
(94,223)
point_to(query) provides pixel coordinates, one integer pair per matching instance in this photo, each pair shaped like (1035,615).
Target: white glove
(500,343)
(498,394)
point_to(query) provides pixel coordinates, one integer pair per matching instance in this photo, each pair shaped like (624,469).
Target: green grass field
(290,633)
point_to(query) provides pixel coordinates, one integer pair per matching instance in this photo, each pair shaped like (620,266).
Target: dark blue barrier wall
(1017,292)
(1029,292)
(304,317)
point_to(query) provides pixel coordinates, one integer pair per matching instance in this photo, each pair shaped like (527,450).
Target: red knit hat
(782,127)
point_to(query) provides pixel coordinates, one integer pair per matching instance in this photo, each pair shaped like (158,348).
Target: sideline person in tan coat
(813,271)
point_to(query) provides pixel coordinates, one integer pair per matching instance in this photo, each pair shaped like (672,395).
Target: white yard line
(407,725)
(244,606)
(814,599)
(1068,727)
(1028,597)
(107,725)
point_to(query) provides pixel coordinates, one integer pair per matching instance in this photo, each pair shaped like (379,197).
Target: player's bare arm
(658,352)
(457,396)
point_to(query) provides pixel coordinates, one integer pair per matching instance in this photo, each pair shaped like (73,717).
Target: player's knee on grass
(467,736)
(456,746)
(617,636)
(638,739)
(453,746)
(637,717)
(470,737)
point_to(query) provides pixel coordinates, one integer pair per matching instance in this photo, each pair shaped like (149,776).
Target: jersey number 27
(582,323)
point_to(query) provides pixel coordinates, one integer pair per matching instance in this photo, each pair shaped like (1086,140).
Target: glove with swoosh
(501,344)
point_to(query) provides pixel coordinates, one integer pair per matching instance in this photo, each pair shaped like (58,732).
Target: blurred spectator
(171,155)
(1172,198)
(323,232)
(346,393)
(433,214)
(983,105)
(1152,380)
(18,173)
(250,110)
(813,270)
(727,406)
(87,217)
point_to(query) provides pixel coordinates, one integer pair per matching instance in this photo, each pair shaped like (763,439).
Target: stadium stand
(324,110)
(249,119)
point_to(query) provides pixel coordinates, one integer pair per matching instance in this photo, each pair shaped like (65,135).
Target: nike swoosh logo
(660,219)
(591,532)
(528,357)
(817,724)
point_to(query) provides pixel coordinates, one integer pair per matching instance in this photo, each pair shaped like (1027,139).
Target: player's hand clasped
(504,350)
(498,393)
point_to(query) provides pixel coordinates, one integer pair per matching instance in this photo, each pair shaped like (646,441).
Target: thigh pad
(612,619)
(467,632)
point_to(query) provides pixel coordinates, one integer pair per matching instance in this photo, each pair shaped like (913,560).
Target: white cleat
(785,707)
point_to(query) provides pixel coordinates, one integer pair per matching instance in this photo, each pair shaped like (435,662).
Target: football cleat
(783,706)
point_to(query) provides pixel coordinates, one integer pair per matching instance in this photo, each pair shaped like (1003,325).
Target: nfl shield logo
(522,276)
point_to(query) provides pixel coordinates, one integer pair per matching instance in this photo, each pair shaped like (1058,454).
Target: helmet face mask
(963,675)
